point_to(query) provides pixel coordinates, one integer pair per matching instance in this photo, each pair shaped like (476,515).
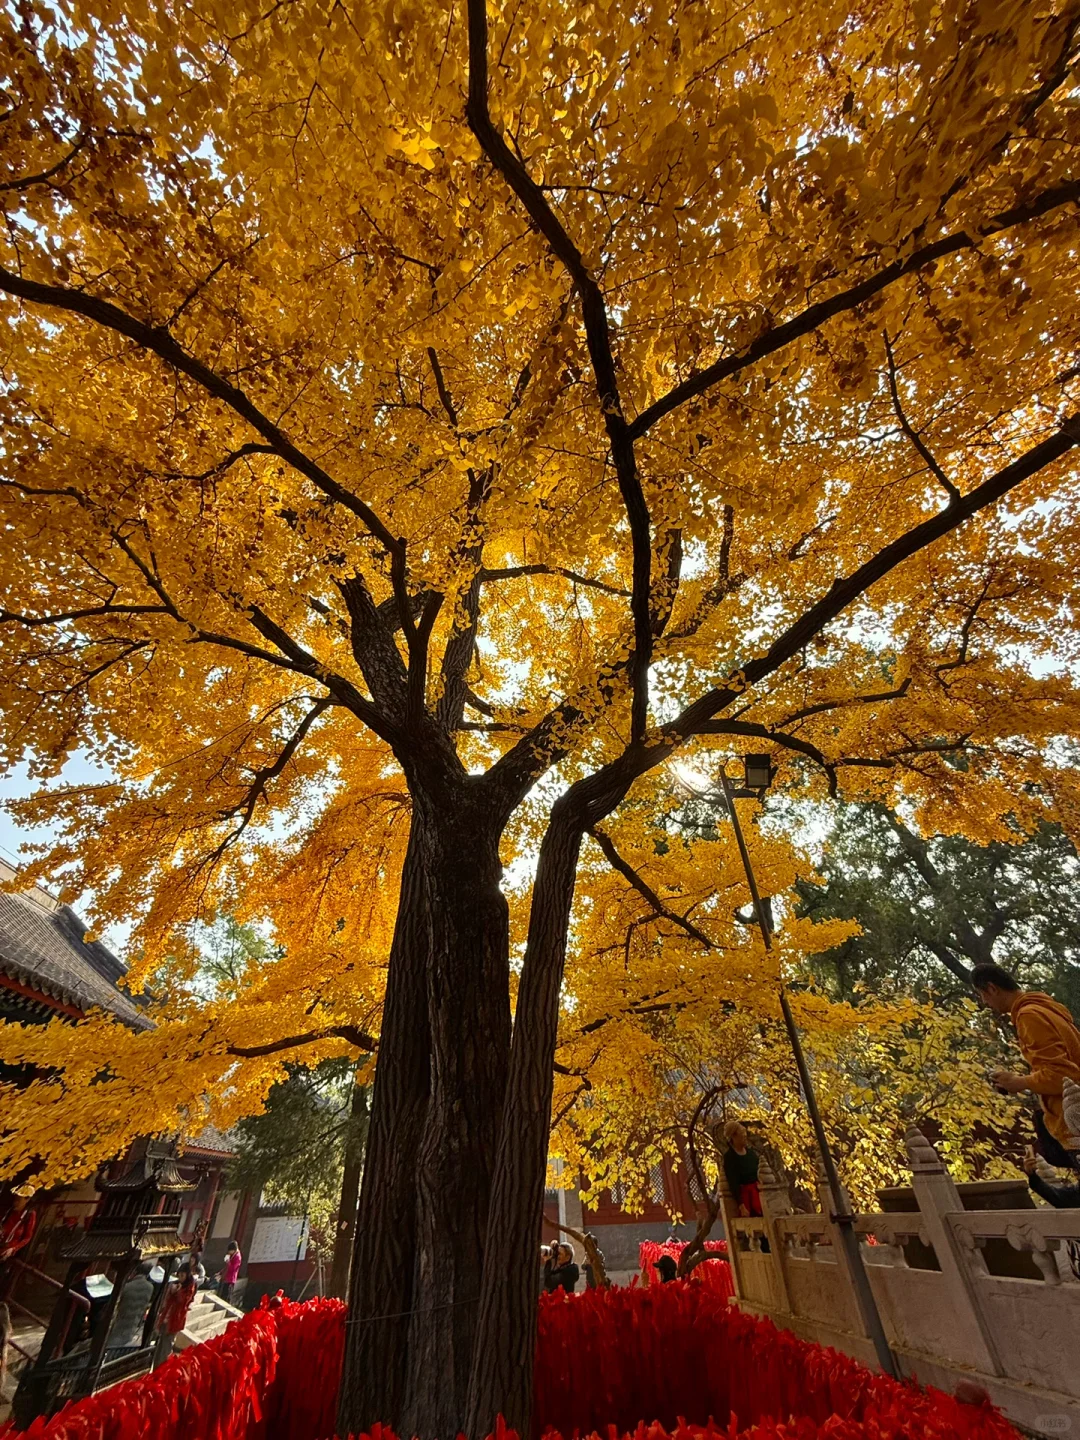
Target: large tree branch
(814,316)
(912,434)
(951,961)
(349,1033)
(304,663)
(917,851)
(631,876)
(600,792)
(158,341)
(514,572)
(778,737)
(824,706)
(848,589)
(598,338)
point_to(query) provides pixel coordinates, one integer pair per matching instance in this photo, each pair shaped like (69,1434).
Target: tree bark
(373,1377)
(501,1380)
(345,1228)
(469,1026)
(439,1083)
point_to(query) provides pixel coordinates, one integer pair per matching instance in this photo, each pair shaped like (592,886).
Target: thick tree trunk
(469,1028)
(440,1079)
(345,1228)
(501,1380)
(373,1378)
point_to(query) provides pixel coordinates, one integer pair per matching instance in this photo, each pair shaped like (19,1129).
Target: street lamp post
(758,775)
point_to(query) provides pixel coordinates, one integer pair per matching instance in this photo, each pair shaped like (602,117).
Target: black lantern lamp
(757,777)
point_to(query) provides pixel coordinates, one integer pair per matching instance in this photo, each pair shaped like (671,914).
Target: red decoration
(716,1275)
(673,1353)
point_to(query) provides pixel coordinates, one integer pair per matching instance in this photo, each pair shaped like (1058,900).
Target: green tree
(297,1151)
(931,908)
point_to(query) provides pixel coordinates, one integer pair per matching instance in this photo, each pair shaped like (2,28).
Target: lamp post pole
(842,1216)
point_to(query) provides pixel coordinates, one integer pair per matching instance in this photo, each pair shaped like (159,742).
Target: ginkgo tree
(420,424)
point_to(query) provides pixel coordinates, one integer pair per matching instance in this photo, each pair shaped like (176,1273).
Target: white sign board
(278,1238)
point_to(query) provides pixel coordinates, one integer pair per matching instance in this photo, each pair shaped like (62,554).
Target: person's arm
(1061,1197)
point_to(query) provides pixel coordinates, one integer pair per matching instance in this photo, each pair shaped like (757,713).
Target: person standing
(667,1269)
(1050,1044)
(197,1268)
(561,1271)
(173,1314)
(230,1271)
(741,1163)
(129,1317)
(741,1169)
(18,1222)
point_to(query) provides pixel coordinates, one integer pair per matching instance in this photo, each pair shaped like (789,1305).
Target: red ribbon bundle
(213,1391)
(604,1360)
(302,1404)
(715,1273)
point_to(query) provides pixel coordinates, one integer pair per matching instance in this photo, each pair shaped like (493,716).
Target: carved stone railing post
(776,1201)
(937,1196)
(730,1212)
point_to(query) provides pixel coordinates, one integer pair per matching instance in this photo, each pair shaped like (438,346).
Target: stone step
(209,1316)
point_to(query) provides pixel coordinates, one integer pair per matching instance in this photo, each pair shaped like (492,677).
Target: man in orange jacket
(1049,1042)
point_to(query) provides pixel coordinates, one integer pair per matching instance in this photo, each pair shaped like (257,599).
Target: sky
(16,785)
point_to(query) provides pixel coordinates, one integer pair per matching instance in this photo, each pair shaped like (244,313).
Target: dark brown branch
(32,621)
(778,737)
(305,663)
(266,773)
(418,657)
(724,584)
(515,572)
(909,430)
(665,590)
(349,1033)
(158,341)
(598,338)
(826,705)
(631,876)
(842,592)
(46,175)
(843,301)
(440,385)
(967,627)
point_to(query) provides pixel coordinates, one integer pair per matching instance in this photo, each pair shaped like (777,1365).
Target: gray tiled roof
(211,1138)
(45,950)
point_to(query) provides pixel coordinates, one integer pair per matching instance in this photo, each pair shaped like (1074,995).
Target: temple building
(50,971)
(47,966)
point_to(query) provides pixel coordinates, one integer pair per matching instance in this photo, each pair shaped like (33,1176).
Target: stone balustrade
(985,1296)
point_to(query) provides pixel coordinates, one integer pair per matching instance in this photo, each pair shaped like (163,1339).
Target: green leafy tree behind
(294,1152)
(932,908)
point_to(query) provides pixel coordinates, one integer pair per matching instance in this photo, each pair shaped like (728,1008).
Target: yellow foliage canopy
(730,404)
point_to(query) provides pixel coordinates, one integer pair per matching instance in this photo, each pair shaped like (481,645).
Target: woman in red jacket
(174,1312)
